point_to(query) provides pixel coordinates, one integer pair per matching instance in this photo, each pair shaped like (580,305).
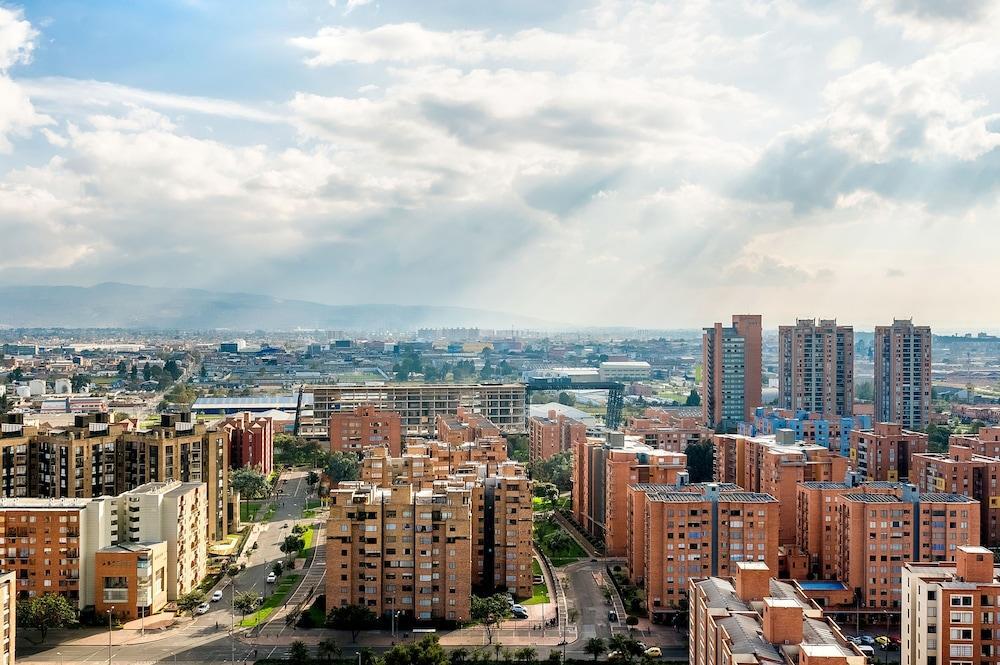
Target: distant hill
(113,305)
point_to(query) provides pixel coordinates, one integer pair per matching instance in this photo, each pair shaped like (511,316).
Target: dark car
(612,615)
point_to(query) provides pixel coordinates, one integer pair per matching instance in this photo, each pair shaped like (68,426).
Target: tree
(557,470)
(632,620)
(367,656)
(937,438)
(458,656)
(134,374)
(700,461)
(312,478)
(171,368)
(147,372)
(122,369)
(567,399)
(490,611)
(44,613)
(517,447)
(596,647)
(246,601)
(79,382)
(277,568)
(693,399)
(343,466)
(526,655)
(626,646)
(17,374)
(293,543)
(427,651)
(328,650)
(249,482)
(298,653)
(558,541)
(294,450)
(354,618)
(190,600)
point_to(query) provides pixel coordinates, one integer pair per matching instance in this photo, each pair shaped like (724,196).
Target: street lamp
(110,612)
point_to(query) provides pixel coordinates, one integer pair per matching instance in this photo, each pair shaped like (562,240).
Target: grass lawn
(313,503)
(565,554)
(281,591)
(249,510)
(307,538)
(540,595)
(536,568)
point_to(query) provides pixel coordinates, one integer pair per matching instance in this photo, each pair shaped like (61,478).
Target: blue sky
(623,162)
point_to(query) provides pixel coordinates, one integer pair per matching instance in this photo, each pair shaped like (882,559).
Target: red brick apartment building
(553,434)
(251,442)
(363,426)
(661,429)
(464,427)
(883,453)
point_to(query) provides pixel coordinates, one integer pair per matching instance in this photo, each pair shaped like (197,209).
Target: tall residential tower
(903,374)
(731,362)
(816,367)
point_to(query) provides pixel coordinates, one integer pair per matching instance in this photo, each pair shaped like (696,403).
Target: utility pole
(110,611)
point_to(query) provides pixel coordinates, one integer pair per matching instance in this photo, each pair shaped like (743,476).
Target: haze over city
(613,163)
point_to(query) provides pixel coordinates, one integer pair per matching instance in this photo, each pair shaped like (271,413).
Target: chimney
(753,580)
(782,621)
(974,564)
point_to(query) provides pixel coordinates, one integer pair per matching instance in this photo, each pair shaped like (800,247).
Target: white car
(203,608)
(217,596)
(272,578)
(653,652)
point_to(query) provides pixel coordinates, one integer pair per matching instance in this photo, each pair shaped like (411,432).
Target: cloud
(17,114)
(17,38)
(845,54)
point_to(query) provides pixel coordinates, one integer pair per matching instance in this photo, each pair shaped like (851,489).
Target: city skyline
(655,164)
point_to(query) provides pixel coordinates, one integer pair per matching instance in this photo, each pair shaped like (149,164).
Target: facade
(834,433)
(501,548)
(751,619)
(603,469)
(399,550)
(816,367)
(903,374)
(464,426)
(8,623)
(251,442)
(131,579)
(624,370)
(681,532)
(731,362)
(356,429)
(950,610)
(775,465)
(418,405)
(553,434)
(667,431)
(884,452)
(962,471)
(861,535)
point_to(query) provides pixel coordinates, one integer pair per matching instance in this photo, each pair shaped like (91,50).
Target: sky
(611,162)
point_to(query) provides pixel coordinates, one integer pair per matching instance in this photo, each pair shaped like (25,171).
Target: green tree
(312,478)
(557,470)
(246,602)
(627,647)
(427,651)
(526,655)
(79,382)
(122,369)
(558,541)
(147,372)
(458,656)
(490,611)
(171,368)
(596,647)
(367,656)
(277,568)
(343,466)
(567,399)
(700,461)
(17,374)
(693,399)
(43,613)
(293,543)
(249,482)
(517,447)
(298,653)
(295,450)
(190,600)
(328,650)
(937,438)
(354,618)
(134,374)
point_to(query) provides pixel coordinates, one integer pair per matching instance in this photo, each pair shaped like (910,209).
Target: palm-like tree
(525,655)
(596,647)
(626,647)
(328,650)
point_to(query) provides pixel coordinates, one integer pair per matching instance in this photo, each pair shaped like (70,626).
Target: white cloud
(17,114)
(845,54)
(17,38)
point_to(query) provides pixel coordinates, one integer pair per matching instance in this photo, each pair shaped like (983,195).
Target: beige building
(501,555)
(816,367)
(8,623)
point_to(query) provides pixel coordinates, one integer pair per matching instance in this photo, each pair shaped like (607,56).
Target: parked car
(653,652)
(867,640)
(217,596)
(868,652)
(272,578)
(538,579)
(886,643)
(518,608)
(612,615)
(203,608)
(615,655)
(520,613)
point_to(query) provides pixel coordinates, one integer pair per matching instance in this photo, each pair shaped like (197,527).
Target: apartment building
(355,429)
(464,426)
(602,471)
(985,442)
(816,367)
(8,623)
(667,431)
(96,458)
(884,452)
(903,374)
(251,441)
(624,370)
(679,532)
(82,548)
(752,619)
(501,531)
(775,464)
(731,362)
(418,405)
(834,433)
(962,471)
(555,433)
(396,549)
(950,610)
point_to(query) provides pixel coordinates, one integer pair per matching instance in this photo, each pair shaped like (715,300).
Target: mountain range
(114,305)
